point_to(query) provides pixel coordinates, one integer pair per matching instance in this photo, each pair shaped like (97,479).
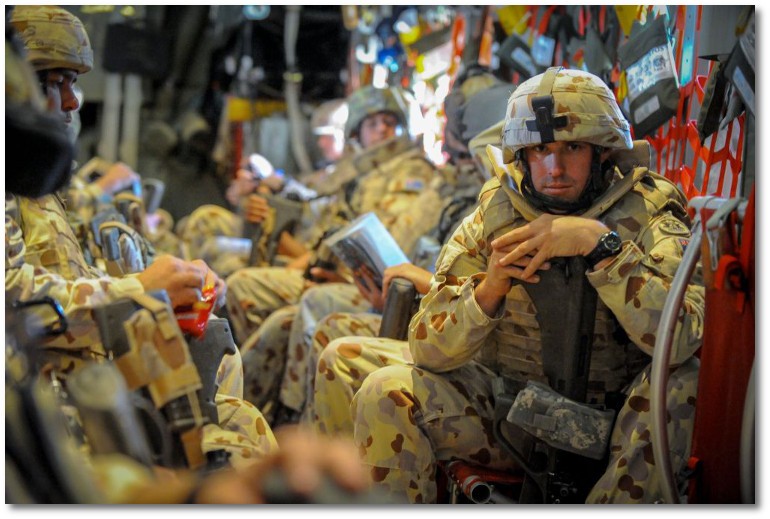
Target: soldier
(476,100)
(393,173)
(256,178)
(44,258)
(475,325)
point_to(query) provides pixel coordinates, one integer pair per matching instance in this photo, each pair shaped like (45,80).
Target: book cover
(366,244)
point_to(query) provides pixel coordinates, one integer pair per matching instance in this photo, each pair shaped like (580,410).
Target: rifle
(554,475)
(400,306)
(184,393)
(288,214)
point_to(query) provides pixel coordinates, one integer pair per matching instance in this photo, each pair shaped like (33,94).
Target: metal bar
(660,359)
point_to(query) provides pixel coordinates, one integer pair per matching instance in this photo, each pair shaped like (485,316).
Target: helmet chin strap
(597,184)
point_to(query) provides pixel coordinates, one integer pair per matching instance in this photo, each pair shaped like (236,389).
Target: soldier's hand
(119,176)
(327,276)
(546,237)
(300,262)
(182,280)
(492,290)
(213,279)
(364,280)
(243,184)
(419,277)
(256,209)
(305,461)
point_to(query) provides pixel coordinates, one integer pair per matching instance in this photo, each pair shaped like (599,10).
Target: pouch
(560,422)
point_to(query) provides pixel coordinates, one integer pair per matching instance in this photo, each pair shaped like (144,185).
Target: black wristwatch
(609,245)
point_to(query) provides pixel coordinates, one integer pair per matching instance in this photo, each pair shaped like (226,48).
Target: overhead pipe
(132,108)
(113,98)
(293,88)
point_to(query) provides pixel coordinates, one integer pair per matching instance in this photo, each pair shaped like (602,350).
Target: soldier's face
(60,92)
(377,128)
(560,169)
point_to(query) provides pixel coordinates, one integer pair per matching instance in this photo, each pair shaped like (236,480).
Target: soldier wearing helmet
(45,258)
(563,188)
(386,173)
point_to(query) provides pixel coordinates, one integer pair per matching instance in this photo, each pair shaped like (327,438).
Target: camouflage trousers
(315,304)
(406,418)
(207,222)
(264,359)
(242,430)
(342,367)
(255,293)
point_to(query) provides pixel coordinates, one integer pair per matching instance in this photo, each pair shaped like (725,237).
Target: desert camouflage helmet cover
(53,37)
(369,100)
(563,105)
(330,117)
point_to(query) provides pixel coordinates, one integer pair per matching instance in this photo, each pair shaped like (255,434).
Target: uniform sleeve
(26,282)
(636,284)
(450,327)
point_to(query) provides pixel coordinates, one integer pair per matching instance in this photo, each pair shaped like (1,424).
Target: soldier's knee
(390,378)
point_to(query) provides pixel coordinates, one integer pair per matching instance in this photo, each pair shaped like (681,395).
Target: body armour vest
(513,349)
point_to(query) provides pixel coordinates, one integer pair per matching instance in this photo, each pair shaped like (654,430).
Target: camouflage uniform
(407,417)
(475,102)
(264,362)
(389,189)
(43,256)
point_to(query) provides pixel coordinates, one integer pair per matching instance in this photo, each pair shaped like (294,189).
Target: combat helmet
(330,117)
(370,100)
(564,105)
(53,37)
(36,141)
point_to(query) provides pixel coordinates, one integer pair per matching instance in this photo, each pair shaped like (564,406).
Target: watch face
(612,241)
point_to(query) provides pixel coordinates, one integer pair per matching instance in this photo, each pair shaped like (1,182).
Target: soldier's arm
(450,326)
(26,282)
(636,283)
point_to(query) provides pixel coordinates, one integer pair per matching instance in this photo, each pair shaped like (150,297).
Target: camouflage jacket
(397,183)
(43,258)
(450,328)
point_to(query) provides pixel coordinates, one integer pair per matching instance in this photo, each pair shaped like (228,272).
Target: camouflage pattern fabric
(390,190)
(316,303)
(451,331)
(43,258)
(264,360)
(342,366)
(209,221)
(631,476)
(405,418)
(86,199)
(255,293)
(586,105)
(242,430)
(53,37)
